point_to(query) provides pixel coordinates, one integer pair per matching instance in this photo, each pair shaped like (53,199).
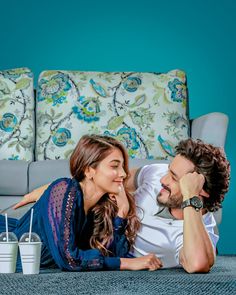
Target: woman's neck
(91,194)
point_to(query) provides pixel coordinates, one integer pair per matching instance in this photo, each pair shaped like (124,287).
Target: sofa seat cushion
(146,111)
(16,115)
(13,178)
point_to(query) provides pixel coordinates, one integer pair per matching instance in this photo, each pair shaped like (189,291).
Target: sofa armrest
(211,128)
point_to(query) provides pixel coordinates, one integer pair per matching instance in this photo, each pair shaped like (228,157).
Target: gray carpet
(221,280)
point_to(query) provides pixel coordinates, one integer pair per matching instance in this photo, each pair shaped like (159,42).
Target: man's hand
(191,184)
(149,262)
(197,253)
(122,202)
(31,197)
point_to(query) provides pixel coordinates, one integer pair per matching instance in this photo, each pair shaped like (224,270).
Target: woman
(88,222)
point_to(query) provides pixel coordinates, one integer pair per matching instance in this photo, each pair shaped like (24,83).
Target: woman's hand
(122,202)
(31,197)
(149,262)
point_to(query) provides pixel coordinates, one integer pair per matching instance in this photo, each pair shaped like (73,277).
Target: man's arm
(131,182)
(32,196)
(197,253)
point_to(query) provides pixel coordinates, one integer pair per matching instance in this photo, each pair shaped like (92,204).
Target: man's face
(170,194)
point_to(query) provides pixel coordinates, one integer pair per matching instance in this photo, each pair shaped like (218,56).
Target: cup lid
(25,238)
(11,237)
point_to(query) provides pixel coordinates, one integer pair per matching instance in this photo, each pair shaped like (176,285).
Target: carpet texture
(221,280)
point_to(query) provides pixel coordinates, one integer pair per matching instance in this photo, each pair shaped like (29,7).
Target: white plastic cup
(30,253)
(8,256)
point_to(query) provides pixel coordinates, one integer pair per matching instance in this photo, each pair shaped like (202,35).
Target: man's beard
(173,201)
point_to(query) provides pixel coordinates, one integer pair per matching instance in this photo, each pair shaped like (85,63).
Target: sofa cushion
(13,178)
(146,111)
(16,114)
(43,172)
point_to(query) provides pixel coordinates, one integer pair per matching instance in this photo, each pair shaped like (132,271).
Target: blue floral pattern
(145,111)
(131,84)
(54,90)
(178,90)
(89,109)
(128,137)
(8,122)
(16,115)
(61,137)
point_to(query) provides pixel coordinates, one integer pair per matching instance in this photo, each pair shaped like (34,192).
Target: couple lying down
(107,218)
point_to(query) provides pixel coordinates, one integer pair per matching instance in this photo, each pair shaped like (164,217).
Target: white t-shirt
(160,233)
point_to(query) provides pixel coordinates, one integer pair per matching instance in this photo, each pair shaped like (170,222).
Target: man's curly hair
(212,163)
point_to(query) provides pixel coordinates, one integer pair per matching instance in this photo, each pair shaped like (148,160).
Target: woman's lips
(119,181)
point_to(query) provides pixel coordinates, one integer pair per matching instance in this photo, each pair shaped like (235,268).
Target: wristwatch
(194,202)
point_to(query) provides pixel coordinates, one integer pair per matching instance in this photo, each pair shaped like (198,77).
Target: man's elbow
(198,267)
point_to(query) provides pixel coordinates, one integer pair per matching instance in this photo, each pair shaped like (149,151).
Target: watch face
(196,202)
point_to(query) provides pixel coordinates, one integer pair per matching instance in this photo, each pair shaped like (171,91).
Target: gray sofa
(143,103)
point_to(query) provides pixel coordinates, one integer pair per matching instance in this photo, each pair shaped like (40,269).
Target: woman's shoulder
(62,180)
(60,184)
(64,186)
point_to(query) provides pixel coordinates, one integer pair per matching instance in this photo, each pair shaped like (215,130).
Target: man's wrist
(189,196)
(194,202)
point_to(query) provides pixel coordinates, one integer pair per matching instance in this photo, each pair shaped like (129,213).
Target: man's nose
(164,179)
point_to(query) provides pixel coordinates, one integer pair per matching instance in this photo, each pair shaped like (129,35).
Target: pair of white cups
(30,253)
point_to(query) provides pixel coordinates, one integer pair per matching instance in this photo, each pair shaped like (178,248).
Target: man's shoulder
(151,171)
(155,167)
(148,186)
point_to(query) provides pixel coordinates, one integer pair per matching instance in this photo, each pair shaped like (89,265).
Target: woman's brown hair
(89,152)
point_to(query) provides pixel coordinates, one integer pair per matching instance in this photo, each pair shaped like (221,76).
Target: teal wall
(150,35)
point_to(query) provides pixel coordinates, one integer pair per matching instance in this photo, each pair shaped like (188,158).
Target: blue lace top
(65,230)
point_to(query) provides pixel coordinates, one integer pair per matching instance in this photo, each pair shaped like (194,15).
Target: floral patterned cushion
(146,111)
(16,115)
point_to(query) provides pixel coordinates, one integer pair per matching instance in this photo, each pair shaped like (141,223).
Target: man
(177,224)
(175,203)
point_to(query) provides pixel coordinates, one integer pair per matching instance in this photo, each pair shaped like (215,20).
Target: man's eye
(173,178)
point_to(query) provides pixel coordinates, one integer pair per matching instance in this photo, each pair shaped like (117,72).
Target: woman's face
(108,176)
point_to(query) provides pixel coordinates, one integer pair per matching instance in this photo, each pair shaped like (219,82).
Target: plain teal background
(196,36)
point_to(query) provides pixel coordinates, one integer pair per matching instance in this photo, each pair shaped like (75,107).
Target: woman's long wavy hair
(89,152)
(212,163)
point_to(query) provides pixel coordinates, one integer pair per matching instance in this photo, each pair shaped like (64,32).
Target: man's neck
(177,213)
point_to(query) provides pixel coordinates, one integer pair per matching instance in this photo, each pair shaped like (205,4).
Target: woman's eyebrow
(115,160)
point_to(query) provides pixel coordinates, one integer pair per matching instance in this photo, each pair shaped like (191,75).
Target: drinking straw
(31,221)
(6,227)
